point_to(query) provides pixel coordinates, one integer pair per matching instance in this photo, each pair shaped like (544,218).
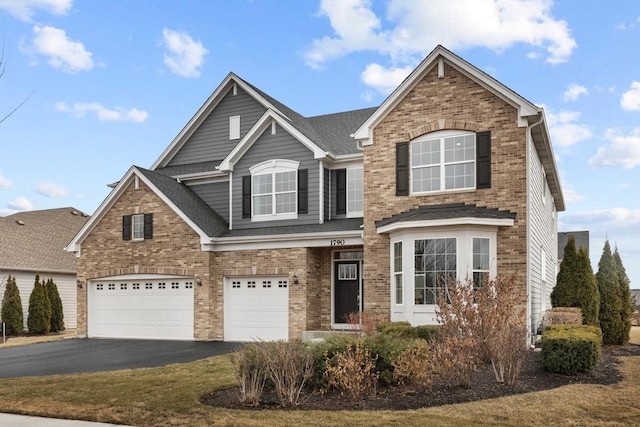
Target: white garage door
(141,307)
(256,308)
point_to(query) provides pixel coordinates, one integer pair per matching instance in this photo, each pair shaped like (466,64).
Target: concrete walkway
(29,421)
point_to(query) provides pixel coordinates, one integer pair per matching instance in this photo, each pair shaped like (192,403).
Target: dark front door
(346,294)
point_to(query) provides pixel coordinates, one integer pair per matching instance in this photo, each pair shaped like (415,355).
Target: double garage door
(255,308)
(145,307)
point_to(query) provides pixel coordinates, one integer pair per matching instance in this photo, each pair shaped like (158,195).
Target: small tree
(625,296)
(12,308)
(57,315)
(588,295)
(610,298)
(39,317)
(564,293)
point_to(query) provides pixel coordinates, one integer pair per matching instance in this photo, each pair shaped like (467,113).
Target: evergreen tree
(12,308)
(39,317)
(57,316)
(610,298)
(625,296)
(588,295)
(564,294)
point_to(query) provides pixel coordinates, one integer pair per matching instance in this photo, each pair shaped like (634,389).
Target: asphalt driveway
(75,356)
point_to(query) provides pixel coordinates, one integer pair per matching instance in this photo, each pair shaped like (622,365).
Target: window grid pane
(138,227)
(480,260)
(354,190)
(397,269)
(435,265)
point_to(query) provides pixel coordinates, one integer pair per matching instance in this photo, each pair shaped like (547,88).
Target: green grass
(169,396)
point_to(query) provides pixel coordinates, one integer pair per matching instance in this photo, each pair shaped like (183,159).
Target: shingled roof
(35,240)
(448,212)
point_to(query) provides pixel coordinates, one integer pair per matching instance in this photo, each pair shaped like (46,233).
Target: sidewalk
(29,421)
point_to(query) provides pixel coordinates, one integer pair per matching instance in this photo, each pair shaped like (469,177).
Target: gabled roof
(35,240)
(444,215)
(180,198)
(529,115)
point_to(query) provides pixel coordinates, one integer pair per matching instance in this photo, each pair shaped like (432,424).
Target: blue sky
(108,84)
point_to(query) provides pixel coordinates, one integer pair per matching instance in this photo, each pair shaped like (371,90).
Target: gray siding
(216,195)
(279,146)
(211,140)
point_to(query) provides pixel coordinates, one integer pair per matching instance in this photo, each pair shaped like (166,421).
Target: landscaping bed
(483,386)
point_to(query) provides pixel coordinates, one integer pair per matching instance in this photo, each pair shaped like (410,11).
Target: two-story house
(259,223)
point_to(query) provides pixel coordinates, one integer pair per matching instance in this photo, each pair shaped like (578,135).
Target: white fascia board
(256,131)
(281,241)
(76,242)
(402,225)
(200,175)
(202,113)
(548,147)
(344,161)
(364,134)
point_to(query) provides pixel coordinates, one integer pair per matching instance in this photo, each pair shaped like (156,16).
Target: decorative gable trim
(230,83)
(76,243)
(269,117)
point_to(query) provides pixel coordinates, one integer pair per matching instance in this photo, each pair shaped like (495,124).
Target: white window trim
(473,270)
(273,167)
(413,257)
(234,128)
(133,227)
(360,213)
(442,135)
(395,274)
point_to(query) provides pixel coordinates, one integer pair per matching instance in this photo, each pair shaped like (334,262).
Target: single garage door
(141,307)
(256,308)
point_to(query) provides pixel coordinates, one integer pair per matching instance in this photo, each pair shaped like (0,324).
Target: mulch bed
(483,386)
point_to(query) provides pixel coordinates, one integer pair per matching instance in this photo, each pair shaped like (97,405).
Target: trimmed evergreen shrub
(565,292)
(39,317)
(57,315)
(429,333)
(12,308)
(613,329)
(569,349)
(588,296)
(625,295)
(404,330)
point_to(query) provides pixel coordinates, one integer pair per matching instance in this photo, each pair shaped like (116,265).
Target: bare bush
(250,372)
(454,360)
(289,366)
(562,316)
(363,324)
(352,371)
(414,366)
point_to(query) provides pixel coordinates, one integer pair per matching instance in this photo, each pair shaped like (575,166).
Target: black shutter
(303,191)
(341,191)
(483,159)
(402,169)
(246,196)
(148,226)
(126,227)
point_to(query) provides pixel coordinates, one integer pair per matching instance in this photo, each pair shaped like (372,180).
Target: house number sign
(337,242)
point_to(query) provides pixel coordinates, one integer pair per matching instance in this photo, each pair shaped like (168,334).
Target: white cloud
(414,28)
(5,182)
(62,53)
(570,194)
(102,113)
(25,9)
(51,189)
(574,91)
(564,130)
(605,218)
(185,56)
(383,79)
(622,150)
(630,100)
(20,204)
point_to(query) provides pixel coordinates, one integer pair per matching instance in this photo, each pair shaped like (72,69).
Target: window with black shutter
(246,196)
(148,226)
(303,191)
(341,191)
(402,169)
(126,227)
(483,159)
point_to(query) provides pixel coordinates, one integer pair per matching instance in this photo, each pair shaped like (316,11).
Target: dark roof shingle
(446,211)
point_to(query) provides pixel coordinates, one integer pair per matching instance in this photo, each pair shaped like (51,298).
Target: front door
(346,295)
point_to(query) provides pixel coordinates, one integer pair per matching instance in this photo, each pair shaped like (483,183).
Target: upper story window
(274,190)
(137,227)
(354,192)
(234,127)
(443,161)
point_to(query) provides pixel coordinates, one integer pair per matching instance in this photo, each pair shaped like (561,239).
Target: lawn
(170,396)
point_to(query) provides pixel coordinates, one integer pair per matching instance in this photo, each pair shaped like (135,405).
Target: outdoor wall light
(295,279)
(198,280)
(79,283)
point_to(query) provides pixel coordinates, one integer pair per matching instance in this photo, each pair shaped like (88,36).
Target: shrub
(250,371)
(57,314)
(569,349)
(398,329)
(625,296)
(12,308)
(562,316)
(363,324)
(39,317)
(326,350)
(611,304)
(454,360)
(414,366)
(386,348)
(289,365)
(429,333)
(353,371)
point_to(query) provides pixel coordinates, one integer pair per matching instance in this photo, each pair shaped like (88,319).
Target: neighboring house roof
(581,238)
(529,115)
(35,240)
(446,214)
